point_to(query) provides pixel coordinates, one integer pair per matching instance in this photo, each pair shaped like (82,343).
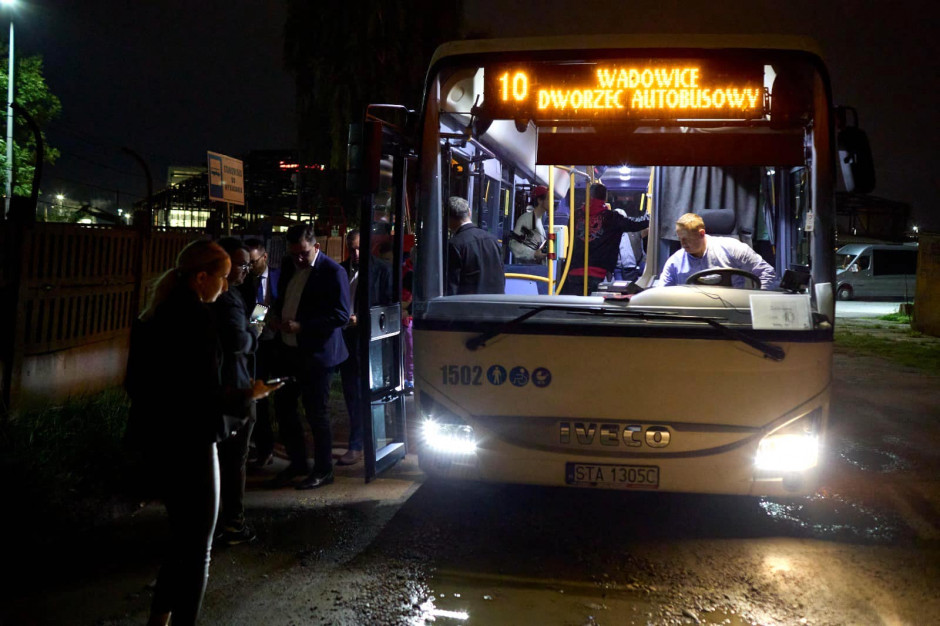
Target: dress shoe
(350,458)
(286,477)
(314,481)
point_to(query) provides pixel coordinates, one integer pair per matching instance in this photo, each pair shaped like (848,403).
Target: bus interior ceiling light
(451,438)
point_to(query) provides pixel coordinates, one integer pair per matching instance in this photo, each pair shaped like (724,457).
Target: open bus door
(378,165)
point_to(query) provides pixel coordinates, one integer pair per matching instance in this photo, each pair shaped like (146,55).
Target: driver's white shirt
(719,252)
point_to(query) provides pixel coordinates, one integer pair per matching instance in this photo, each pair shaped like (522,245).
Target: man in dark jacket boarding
(474,260)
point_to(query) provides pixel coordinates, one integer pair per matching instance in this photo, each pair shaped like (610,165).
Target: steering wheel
(723,274)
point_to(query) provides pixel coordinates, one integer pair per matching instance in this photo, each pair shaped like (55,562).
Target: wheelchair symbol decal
(519,376)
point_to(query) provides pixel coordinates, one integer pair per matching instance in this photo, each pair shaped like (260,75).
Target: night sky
(168,79)
(172,79)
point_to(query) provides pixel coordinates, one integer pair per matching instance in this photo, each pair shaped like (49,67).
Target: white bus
(706,387)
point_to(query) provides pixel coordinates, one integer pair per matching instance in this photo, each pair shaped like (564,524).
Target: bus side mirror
(855,158)
(363,157)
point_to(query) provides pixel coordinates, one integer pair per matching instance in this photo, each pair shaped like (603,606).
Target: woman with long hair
(178,414)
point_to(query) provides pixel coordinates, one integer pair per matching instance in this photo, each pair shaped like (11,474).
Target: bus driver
(701,252)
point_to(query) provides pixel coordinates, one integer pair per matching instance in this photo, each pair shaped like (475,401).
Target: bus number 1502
(462,375)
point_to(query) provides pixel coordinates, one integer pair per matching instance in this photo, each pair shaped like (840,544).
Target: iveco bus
(709,387)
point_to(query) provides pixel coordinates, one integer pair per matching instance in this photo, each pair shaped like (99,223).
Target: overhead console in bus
(698,146)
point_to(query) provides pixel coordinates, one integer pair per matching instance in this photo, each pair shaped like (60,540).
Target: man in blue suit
(261,288)
(309,314)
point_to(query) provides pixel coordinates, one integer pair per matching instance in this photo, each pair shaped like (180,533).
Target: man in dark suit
(261,288)
(309,314)
(474,260)
(380,293)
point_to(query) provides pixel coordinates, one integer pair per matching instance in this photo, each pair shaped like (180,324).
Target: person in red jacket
(605,229)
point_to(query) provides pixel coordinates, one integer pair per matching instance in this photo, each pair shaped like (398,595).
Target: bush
(65,462)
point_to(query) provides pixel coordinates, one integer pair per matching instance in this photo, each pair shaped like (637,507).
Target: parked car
(876,271)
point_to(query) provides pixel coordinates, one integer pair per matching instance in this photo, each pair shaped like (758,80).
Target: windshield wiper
(480,340)
(770,351)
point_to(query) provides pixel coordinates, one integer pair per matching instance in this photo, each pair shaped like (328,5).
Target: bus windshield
(580,165)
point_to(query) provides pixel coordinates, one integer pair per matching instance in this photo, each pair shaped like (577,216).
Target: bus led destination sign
(653,90)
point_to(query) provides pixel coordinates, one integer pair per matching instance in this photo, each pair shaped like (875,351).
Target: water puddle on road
(873,458)
(836,518)
(459,598)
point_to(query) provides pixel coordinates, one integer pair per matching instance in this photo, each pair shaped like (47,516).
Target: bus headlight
(448,437)
(793,447)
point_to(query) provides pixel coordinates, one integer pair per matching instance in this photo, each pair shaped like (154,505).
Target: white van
(876,271)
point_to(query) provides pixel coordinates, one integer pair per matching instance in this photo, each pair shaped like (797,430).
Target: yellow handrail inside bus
(526,276)
(564,276)
(551,228)
(647,198)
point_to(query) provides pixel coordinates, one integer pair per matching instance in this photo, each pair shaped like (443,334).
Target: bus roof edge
(597,42)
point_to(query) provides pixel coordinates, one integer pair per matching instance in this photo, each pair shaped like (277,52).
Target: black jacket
(474,262)
(237,339)
(323,310)
(606,228)
(174,378)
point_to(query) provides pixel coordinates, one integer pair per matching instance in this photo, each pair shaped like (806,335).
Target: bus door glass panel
(799,207)
(383,415)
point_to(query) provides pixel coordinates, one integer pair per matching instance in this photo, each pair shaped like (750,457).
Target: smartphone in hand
(283,380)
(258,314)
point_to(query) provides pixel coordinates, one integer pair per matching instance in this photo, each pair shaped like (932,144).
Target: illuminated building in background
(270,195)
(272,181)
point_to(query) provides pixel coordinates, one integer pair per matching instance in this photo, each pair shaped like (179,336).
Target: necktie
(260,298)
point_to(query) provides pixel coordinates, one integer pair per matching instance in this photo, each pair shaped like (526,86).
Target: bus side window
(863,262)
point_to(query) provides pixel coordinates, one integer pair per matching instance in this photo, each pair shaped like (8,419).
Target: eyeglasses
(244,266)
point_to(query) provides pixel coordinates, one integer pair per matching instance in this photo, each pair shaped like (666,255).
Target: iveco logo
(631,435)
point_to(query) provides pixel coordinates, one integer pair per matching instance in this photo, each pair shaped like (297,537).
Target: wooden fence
(70,293)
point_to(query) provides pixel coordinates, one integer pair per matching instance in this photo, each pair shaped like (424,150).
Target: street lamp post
(9,185)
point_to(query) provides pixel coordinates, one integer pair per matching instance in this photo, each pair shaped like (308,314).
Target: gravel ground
(865,549)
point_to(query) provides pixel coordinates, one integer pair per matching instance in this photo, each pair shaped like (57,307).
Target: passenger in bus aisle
(701,252)
(474,260)
(311,310)
(632,256)
(605,230)
(530,233)
(177,418)
(261,288)
(380,293)
(238,340)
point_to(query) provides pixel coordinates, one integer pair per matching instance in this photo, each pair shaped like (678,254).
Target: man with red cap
(529,233)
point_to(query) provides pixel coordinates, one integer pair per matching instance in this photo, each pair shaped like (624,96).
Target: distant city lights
(285,165)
